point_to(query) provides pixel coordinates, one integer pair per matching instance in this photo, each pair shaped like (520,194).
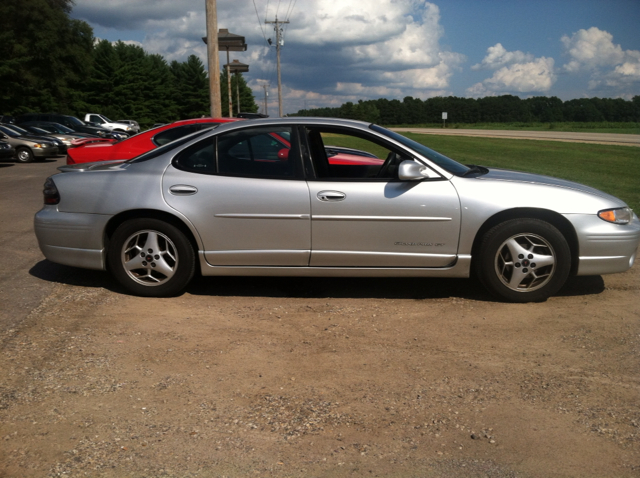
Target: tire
(523,260)
(24,155)
(151,258)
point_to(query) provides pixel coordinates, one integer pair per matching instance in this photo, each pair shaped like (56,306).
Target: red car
(140,143)
(148,140)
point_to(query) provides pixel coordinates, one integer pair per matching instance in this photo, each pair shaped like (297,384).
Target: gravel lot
(285,377)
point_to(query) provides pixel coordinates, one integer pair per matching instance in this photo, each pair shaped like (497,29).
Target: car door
(363,216)
(247,200)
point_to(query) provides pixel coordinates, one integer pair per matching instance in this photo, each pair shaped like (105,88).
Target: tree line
(490,109)
(50,62)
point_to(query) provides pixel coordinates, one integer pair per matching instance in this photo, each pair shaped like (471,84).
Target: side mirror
(283,154)
(413,171)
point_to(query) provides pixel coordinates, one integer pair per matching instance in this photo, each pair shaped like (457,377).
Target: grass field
(595,127)
(613,169)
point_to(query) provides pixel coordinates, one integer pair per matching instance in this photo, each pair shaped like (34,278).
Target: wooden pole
(214,59)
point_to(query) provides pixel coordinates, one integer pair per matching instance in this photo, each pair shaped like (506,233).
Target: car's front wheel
(151,258)
(524,260)
(24,155)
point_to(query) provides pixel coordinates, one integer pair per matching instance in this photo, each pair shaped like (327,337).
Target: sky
(336,51)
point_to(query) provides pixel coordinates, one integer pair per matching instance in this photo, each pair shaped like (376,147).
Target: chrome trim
(381,218)
(262,216)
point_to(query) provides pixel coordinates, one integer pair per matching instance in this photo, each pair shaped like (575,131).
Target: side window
(95,119)
(263,152)
(172,134)
(342,154)
(198,158)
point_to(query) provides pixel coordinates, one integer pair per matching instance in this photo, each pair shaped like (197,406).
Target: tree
(44,56)
(247,100)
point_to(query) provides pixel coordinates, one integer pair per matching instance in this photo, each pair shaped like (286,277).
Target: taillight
(51,194)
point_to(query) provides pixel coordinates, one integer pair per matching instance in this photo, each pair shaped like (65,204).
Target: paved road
(600,138)
(20,290)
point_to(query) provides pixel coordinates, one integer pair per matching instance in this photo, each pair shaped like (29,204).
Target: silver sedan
(326,197)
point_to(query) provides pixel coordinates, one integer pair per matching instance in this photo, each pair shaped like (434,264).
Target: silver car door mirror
(414,171)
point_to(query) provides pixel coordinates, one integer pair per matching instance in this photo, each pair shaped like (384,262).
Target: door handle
(331,196)
(183,190)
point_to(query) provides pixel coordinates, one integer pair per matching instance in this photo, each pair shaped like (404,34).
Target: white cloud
(611,69)
(498,56)
(533,76)
(590,49)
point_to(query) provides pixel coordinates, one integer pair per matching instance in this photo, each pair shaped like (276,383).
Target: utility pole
(214,60)
(279,43)
(266,95)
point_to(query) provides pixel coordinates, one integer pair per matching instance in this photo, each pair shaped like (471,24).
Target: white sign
(444,116)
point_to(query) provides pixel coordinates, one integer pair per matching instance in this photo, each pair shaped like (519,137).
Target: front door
(363,216)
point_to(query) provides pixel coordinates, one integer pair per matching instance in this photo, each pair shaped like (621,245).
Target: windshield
(17,129)
(75,121)
(59,127)
(9,131)
(167,147)
(440,159)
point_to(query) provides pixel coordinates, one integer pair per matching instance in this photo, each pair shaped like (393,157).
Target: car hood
(517,176)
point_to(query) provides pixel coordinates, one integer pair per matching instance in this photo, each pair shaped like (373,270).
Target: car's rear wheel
(524,260)
(151,258)
(24,155)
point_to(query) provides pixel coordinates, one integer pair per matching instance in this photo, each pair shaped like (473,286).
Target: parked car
(104,122)
(135,127)
(7,119)
(141,143)
(70,122)
(226,201)
(28,147)
(6,150)
(62,141)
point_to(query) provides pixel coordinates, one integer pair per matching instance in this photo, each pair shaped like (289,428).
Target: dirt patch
(323,377)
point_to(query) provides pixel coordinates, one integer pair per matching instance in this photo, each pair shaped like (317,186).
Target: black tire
(151,258)
(523,260)
(24,155)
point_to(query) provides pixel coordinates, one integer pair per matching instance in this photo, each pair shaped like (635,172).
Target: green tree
(247,100)
(44,56)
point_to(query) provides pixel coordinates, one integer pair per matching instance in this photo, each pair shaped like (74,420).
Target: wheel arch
(175,221)
(555,219)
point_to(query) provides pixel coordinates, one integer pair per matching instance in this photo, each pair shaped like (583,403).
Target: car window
(261,152)
(344,154)
(440,159)
(257,152)
(171,134)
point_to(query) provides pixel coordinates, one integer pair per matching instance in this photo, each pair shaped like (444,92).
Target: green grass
(595,127)
(613,169)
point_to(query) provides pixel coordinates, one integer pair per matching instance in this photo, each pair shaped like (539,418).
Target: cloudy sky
(344,50)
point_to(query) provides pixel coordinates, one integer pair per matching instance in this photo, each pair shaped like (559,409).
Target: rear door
(248,202)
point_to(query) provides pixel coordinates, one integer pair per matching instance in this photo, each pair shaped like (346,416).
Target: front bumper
(45,152)
(71,239)
(605,248)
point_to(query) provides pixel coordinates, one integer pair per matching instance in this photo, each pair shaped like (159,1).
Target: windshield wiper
(475,170)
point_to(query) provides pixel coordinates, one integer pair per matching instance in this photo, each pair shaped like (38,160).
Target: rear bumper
(71,239)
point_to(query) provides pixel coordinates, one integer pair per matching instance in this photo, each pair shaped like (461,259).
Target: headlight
(620,215)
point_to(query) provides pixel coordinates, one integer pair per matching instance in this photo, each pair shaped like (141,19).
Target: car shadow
(311,287)
(6,165)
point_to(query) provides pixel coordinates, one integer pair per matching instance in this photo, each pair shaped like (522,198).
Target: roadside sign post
(444,118)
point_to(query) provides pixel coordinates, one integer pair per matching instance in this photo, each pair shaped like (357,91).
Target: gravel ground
(315,377)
